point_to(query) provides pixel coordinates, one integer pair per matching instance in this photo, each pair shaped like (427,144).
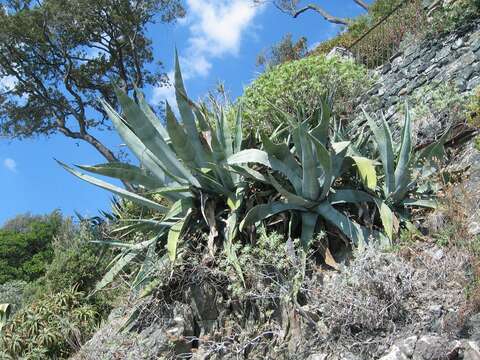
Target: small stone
(438,254)
(395,354)
(422,68)
(474,228)
(444,52)
(458,44)
(317,357)
(404,91)
(436,310)
(407,346)
(386,68)
(473,83)
(475,45)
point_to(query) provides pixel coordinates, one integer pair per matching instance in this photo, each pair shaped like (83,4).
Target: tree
(284,51)
(59,57)
(293,8)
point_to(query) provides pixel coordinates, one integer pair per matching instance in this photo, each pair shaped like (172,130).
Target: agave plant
(185,165)
(5,312)
(403,167)
(310,169)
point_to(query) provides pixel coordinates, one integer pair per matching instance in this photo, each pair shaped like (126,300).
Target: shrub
(25,247)
(452,15)
(377,46)
(77,262)
(52,327)
(302,84)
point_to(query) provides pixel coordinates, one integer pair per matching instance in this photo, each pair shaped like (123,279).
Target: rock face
(453,58)
(432,347)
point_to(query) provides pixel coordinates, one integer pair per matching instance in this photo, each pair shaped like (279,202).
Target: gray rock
(471,350)
(473,83)
(431,347)
(458,44)
(317,357)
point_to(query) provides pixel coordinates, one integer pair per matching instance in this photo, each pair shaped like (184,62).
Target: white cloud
(218,25)
(10,164)
(216,29)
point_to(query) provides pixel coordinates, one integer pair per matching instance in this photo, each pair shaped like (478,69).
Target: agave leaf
(238,130)
(144,155)
(116,190)
(126,258)
(220,157)
(154,120)
(152,140)
(309,221)
(261,157)
(179,208)
(282,153)
(125,172)
(427,203)
(230,234)
(264,211)
(188,118)
(130,247)
(383,138)
(356,233)
(291,198)
(227,134)
(340,149)
(310,185)
(245,171)
(436,150)
(320,132)
(366,170)
(343,196)
(387,216)
(174,237)
(402,171)
(325,159)
(5,313)
(180,141)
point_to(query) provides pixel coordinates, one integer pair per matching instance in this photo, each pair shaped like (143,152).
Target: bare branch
(362,3)
(327,16)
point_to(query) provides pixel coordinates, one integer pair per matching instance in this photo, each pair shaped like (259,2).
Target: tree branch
(362,3)
(330,18)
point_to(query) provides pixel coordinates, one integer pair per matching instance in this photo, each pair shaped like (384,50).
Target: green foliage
(376,47)
(438,100)
(302,84)
(84,46)
(26,250)
(452,15)
(53,327)
(285,51)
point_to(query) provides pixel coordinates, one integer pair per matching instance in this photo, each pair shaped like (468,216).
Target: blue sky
(218,41)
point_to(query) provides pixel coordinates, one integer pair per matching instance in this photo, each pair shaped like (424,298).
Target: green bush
(25,246)
(76,262)
(378,45)
(302,84)
(453,15)
(52,327)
